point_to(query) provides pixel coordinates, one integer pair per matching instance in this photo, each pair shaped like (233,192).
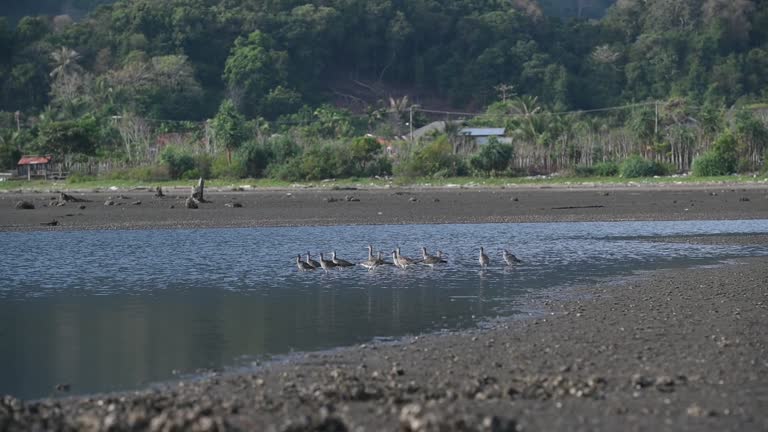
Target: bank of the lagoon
(90,184)
(309,206)
(671,350)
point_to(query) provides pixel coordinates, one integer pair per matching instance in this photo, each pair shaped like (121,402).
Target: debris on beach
(159,192)
(233,205)
(109,202)
(24,205)
(69,198)
(191,203)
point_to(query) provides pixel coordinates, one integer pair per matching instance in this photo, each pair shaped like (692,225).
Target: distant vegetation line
(298,90)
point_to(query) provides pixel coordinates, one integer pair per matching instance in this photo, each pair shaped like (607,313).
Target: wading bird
(430,260)
(402,261)
(483,258)
(312,262)
(326,264)
(340,262)
(302,265)
(371,263)
(509,258)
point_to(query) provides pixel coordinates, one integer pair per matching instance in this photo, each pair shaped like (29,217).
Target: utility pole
(410,122)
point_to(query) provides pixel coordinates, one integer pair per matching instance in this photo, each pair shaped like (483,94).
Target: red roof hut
(34,166)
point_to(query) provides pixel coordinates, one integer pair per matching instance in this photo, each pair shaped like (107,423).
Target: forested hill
(16,9)
(77,8)
(178,59)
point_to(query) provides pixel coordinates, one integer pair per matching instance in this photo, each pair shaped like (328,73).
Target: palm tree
(65,62)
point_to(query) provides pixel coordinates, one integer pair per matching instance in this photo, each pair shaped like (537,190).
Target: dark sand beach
(137,209)
(682,349)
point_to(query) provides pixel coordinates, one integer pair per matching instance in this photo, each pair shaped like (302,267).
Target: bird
(380,259)
(396,260)
(430,260)
(509,258)
(371,263)
(402,261)
(312,262)
(302,265)
(326,264)
(340,262)
(483,259)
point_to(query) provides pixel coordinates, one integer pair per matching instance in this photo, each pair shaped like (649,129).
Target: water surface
(111,310)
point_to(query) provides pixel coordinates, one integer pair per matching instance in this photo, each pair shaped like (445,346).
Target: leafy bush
(259,160)
(720,160)
(606,169)
(584,171)
(435,159)
(221,168)
(361,158)
(493,158)
(637,166)
(177,161)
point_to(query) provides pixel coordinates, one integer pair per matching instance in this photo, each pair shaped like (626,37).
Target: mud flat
(140,209)
(670,350)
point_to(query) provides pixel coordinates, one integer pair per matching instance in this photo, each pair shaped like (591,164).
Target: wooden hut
(35,166)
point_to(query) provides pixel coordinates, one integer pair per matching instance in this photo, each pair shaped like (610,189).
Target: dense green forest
(290,84)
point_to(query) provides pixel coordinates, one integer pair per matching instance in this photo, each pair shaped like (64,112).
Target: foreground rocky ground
(137,209)
(674,350)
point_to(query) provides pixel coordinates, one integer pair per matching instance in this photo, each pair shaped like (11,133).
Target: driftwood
(197,191)
(25,205)
(69,198)
(159,192)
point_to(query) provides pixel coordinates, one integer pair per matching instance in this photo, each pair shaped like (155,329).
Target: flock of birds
(398,260)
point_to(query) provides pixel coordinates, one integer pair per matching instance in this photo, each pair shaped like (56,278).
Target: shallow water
(110,310)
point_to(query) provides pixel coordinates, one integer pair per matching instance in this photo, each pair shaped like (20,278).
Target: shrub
(223,169)
(720,160)
(637,166)
(435,159)
(606,169)
(177,161)
(381,166)
(584,171)
(493,158)
(709,164)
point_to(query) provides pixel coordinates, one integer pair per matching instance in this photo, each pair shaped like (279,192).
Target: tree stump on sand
(197,191)
(159,192)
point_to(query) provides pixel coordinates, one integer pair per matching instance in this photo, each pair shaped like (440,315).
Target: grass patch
(104,184)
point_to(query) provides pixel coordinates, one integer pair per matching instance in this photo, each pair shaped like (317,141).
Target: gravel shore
(140,209)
